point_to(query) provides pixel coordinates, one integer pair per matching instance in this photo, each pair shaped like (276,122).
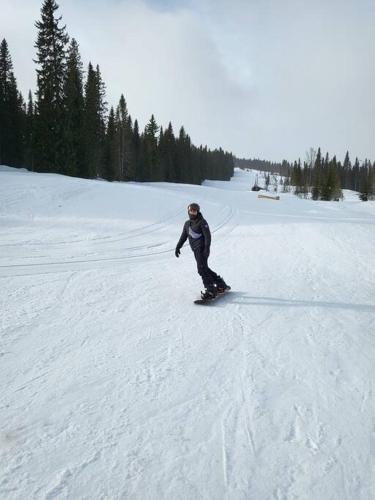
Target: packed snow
(115,385)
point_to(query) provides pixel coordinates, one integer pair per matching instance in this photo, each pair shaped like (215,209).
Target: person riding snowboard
(198,232)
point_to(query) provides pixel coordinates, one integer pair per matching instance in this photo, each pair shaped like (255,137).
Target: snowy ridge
(114,385)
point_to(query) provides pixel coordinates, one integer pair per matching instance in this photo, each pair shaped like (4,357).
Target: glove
(206,253)
(177,252)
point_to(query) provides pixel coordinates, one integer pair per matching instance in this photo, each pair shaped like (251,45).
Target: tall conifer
(12,114)
(150,150)
(110,171)
(136,146)
(51,61)
(124,155)
(94,123)
(29,133)
(74,109)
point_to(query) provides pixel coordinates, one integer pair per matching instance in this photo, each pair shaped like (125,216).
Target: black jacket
(198,232)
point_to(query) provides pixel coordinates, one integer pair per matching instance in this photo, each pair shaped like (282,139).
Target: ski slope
(114,385)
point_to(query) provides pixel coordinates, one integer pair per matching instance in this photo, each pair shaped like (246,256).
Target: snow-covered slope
(114,385)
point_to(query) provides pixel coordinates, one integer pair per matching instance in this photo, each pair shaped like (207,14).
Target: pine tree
(124,155)
(203,161)
(90,125)
(94,124)
(317,176)
(168,154)
(372,181)
(6,68)
(110,172)
(29,133)
(196,166)
(183,158)
(74,110)
(102,117)
(136,147)
(131,166)
(12,114)
(51,60)
(296,179)
(346,174)
(366,182)
(162,167)
(331,189)
(121,131)
(356,175)
(150,151)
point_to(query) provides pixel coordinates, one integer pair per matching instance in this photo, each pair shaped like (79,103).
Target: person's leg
(203,270)
(216,279)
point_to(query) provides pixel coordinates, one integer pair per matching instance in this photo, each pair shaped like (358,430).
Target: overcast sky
(260,78)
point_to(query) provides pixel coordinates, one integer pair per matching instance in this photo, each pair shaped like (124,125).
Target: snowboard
(203,302)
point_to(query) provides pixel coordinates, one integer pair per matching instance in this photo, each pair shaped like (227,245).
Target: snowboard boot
(209,293)
(221,286)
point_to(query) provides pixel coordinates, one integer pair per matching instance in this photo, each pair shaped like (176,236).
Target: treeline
(323,178)
(320,177)
(67,128)
(261,165)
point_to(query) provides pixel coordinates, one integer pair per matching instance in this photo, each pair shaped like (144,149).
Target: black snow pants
(209,277)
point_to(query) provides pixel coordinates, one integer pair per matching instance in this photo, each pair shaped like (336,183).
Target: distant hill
(264,165)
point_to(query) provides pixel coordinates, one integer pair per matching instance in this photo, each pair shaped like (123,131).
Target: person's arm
(207,237)
(181,241)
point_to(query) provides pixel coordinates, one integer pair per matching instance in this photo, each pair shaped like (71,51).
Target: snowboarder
(198,232)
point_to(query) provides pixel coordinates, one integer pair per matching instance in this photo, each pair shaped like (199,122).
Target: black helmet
(194,206)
